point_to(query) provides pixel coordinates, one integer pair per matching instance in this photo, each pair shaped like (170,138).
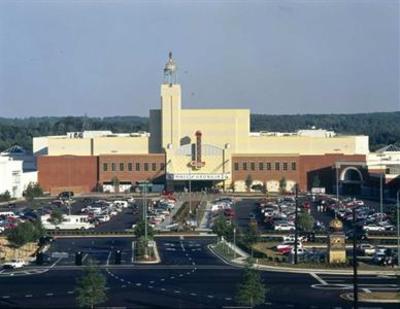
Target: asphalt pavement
(189,276)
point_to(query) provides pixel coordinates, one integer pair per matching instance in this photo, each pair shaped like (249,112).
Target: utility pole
(355,283)
(398,230)
(295,224)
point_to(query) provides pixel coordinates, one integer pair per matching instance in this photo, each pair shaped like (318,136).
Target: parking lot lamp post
(398,229)
(381,193)
(234,242)
(355,283)
(295,223)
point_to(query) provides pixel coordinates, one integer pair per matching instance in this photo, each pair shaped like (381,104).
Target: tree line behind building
(382,128)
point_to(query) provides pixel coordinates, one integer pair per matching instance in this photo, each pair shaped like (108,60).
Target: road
(189,276)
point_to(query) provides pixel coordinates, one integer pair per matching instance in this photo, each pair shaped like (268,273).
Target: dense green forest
(382,128)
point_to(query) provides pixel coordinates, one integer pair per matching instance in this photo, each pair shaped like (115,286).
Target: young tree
(5,197)
(316,182)
(248,182)
(32,191)
(250,236)
(91,288)
(56,217)
(115,183)
(223,228)
(140,229)
(306,222)
(282,185)
(25,232)
(251,291)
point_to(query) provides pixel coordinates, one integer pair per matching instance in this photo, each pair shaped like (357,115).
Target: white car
(367,249)
(373,228)
(103,218)
(14,264)
(300,250)
(284,227)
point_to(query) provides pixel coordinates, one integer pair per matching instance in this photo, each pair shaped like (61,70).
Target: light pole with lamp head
(398,229)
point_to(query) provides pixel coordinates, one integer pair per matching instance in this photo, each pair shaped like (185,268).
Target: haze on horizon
(104,58)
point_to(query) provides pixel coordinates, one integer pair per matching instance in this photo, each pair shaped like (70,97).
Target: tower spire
(170,71)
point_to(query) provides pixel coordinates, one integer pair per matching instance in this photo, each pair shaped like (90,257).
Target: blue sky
(104,58)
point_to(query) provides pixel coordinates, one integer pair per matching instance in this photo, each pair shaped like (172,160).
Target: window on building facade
(277,166)
(105,167)
(121,166)
(162,166)
(113,167)
(236,167)
(260,166)
(146,166)
(285,166)
(293,166)
(268,166)
(130,167)
(252,166)
(245,166)
(153,166)
(137,166)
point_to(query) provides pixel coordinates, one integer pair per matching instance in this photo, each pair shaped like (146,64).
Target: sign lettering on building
(197,176)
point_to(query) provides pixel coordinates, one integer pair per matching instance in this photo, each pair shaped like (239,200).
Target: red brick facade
(297,168)
(132,168)
(67,173)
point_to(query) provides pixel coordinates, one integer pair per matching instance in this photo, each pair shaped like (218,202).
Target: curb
(157,255)
(306,270)
(349,297)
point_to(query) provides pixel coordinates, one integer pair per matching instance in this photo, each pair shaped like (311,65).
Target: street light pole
(381,193)
(355,282)
(234,242)
(295,224)
(337,182)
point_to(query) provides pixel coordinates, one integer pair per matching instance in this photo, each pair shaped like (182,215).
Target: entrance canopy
(197,176)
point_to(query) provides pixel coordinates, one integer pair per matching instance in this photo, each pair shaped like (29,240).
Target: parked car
(14,264)
(284,227)
(367,249)
(373,228)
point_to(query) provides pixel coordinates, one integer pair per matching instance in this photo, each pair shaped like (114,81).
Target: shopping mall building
(208,148)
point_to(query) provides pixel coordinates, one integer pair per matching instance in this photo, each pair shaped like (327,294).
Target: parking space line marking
(320,280)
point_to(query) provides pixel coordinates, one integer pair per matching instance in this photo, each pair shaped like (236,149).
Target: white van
(70,222)
(123,204)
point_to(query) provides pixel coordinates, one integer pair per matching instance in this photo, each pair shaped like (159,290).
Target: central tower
(170,107)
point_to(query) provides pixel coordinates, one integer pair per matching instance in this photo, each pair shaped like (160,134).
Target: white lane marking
(319,279)
(122,280)
(108,258)
(367,290)
(193,294)
(84,257)
(138,284)
(188,273)
(177,292)
(123,286)
(49,294)
(70,292)
(289,306)
(180,275)
(228,298)
(181,237)
(210,296)
(162,279)
(172,277)
(151,282)
(150,286)
(193,263)
(28,295)
(162,289)
(6,296)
